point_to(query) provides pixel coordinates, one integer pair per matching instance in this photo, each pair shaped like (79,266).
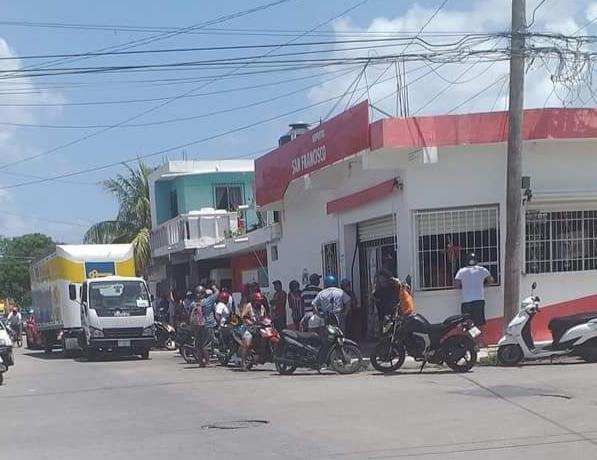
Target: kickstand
(422,366)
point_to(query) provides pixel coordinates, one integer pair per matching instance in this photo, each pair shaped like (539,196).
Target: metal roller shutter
(374,229)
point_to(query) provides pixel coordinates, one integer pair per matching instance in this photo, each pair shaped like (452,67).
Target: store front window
(561,241)
(445,236)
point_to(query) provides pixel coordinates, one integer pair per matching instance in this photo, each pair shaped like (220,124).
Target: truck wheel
(144,354)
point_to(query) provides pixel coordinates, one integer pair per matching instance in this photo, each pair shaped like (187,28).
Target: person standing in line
(471,279)
(279,306)
(309,293)
(172,304)
(208,304)
(295,302)
(198,328)
(187,303)
(332,300)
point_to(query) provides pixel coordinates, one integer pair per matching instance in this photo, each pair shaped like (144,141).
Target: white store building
(416,194)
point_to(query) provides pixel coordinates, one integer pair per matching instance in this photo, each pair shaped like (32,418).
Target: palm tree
(133,221)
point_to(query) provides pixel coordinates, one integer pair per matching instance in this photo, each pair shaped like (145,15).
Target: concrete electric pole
(514,244)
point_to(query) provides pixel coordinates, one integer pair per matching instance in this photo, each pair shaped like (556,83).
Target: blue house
(194,205)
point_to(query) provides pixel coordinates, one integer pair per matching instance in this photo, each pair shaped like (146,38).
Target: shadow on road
(46,356)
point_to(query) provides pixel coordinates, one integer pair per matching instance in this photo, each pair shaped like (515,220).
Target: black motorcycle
(165,336)
(313,350)
(451,342)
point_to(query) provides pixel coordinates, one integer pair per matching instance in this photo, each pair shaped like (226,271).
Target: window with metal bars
(330,258)
(561,241)
(444,237)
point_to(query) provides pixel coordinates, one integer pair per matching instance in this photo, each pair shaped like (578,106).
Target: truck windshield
(109,296)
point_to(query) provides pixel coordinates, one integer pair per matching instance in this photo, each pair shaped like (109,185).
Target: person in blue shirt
(208,305)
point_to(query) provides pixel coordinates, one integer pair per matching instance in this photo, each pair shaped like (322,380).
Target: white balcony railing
(197,229)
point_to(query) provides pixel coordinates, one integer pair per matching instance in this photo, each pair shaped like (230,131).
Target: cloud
(462,87)
(20,91)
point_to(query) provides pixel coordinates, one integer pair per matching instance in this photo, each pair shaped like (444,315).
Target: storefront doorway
(377,251)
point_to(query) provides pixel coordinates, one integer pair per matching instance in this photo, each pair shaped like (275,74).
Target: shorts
(476,311)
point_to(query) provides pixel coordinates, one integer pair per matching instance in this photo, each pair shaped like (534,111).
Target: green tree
(133,221)
(16,255)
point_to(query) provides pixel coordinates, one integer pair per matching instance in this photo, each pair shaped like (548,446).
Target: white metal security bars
(561,241)
(444,237)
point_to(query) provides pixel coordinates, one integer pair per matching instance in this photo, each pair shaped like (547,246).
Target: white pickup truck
(116,315)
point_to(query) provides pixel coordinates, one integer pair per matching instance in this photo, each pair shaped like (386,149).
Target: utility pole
(513,257)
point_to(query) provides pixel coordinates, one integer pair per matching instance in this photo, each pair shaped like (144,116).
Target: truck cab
(116,315)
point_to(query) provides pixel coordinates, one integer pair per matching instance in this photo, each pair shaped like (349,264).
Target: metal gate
(377,251)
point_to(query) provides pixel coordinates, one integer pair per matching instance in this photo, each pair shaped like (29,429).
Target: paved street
(162,408)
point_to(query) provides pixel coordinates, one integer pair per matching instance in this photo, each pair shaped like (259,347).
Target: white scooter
(572,335)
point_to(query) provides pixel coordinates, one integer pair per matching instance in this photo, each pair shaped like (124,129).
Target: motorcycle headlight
(149,331)
(96,333)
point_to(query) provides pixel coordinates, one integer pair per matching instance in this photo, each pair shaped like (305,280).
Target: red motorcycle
(265,339)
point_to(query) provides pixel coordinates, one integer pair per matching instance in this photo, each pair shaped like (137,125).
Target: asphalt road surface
(55,408)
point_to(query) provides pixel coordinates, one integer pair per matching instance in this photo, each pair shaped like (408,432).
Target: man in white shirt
(471,280)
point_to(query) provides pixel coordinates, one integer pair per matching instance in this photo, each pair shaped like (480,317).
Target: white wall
(463,176)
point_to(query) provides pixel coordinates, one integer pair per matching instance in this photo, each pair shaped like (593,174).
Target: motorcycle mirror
(534,285)
(408,280)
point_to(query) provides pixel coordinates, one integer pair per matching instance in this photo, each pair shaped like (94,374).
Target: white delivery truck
(60,315)
(116,315)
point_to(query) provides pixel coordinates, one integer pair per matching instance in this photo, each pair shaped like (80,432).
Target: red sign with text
(333,140)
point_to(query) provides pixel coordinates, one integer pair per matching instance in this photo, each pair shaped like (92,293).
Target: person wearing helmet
(295,302)
(471,280)
(332,300)
(222,309)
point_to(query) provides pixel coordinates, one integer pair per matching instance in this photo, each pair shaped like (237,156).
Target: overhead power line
(175,98)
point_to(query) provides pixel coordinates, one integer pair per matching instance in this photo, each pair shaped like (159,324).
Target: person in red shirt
(279,306)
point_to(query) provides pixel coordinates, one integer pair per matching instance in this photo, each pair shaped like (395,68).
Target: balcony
(197,229)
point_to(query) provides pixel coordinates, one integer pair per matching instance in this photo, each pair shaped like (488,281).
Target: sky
(49,117)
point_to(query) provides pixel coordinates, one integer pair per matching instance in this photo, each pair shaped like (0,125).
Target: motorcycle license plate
(124,343)
(474,332)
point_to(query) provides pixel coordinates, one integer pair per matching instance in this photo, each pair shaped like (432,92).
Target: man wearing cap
(471,279)
(309,293)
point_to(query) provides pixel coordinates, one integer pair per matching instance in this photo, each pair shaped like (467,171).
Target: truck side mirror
(72,292)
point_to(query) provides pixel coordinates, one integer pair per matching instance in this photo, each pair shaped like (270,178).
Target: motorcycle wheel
(170,345)
(1,378)
(346,359)
(460,354)
(285,369)
(510,355)
(189,355)
(387,357)
(588,351)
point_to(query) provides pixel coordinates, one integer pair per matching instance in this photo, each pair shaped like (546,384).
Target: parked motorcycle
(165,336)
(314,350)
(265,339)
(574,335)
(185,341)
(451,342)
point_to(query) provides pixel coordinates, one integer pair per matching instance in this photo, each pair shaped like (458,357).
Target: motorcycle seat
(310,338)
(558,326)
(454,319)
